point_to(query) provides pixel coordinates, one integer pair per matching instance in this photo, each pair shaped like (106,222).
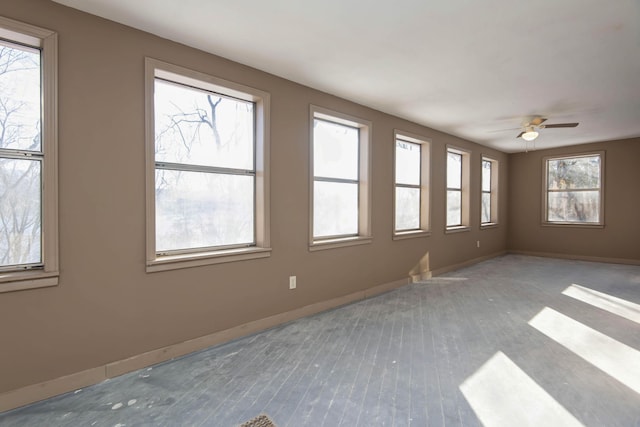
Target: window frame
(364,179)
(45,273)
(192,257)
(464,189)
(493,191)
(545,191)
(425,192)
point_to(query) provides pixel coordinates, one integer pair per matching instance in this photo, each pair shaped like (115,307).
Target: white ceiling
(475,69)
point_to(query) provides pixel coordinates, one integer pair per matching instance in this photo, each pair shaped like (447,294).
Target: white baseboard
(44,390)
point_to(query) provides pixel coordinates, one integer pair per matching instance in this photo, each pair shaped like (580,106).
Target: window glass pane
(19,98)
(454,208)
(574,206)
(196,127)
(486,175)
(486,208)
(407,208)
(407,163)
(580,172)
(335,150)
(20,207)
(196,210)
(335,209)
(454,170)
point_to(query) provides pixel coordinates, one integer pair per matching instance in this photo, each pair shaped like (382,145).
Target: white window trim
(465,190)
(425,190)
(545,211)
(47,42)
(495,167)
(155,68)
(364,179)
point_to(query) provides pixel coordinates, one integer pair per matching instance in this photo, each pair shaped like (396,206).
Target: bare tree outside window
(574,189)
(20,157)
(205,172)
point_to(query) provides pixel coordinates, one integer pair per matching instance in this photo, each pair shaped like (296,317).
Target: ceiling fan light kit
(530,133)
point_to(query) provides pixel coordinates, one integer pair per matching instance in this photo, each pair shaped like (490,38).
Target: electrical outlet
(478,243)
(292,282)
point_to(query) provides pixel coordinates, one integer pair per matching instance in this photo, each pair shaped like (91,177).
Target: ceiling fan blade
(561,125)
(537,121)
(521,133)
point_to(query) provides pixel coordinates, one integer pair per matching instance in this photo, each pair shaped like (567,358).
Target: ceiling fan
(530,131)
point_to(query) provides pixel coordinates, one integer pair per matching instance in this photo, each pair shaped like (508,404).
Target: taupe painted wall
(106,308)
(618,240)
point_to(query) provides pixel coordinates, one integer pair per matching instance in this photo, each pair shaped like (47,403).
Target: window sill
(457,229)
(339,243)
(175,262)
(20,281)
(402,235)
(488,225)
(572,225)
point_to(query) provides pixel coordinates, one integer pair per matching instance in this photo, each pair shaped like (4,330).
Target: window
(340,179)
(574,189)
(28,157)
(207,160)
(411,198)
(457,189)
(489,203)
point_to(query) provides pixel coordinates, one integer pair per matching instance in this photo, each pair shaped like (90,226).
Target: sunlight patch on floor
(501,394)
(612,304)
(613,357)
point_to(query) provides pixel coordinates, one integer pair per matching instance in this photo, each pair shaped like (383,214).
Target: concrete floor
(497,343)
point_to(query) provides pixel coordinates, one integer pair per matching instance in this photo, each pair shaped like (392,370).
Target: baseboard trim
(33,393)
(44,390)
(578,257)
(442,270)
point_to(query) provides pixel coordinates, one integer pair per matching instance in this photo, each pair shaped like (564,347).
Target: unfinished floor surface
(512,341)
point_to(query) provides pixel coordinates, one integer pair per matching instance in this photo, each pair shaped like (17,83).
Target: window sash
(486,208)
(585,157)
(398,166)
(341,226)
(29,260)
(487,178)
(418,220)
(570,194)
(457,213)
(207,248)
(458,177)
(207,147)
(206,212)
(317,142)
